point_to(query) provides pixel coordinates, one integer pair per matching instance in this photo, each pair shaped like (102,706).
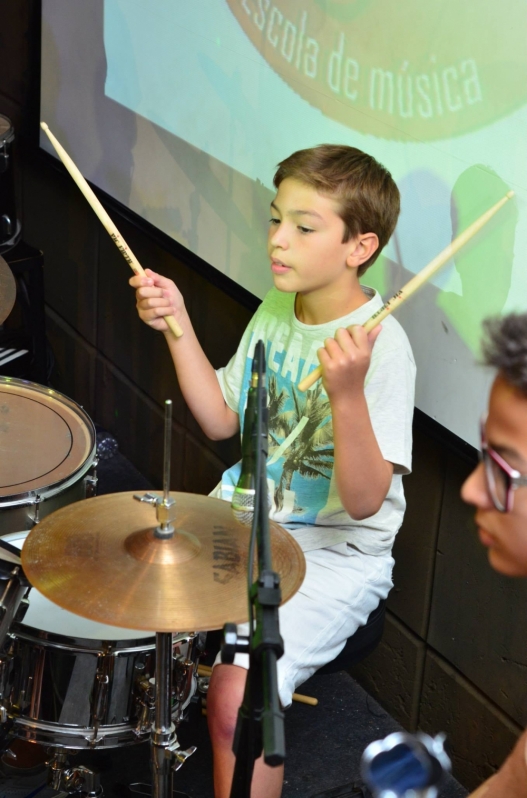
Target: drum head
(44,437)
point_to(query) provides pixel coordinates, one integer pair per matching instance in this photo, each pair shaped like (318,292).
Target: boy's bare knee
(224,698)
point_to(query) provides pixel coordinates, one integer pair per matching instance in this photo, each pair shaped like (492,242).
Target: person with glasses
(498,490)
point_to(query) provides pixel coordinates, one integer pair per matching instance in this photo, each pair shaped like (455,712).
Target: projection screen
(181,111)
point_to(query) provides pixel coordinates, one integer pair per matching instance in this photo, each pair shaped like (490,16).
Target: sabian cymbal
(99,558)
(7,290)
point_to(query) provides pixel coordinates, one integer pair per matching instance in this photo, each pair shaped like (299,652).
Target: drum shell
(57,486)
(21,513)
(51,683)
(9,225)
(79,693)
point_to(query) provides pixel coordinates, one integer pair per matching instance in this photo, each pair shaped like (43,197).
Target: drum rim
(51,489)
(32,497)
(60,735)
(81,645)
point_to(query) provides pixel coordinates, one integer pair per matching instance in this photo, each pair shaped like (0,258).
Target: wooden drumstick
(419,279)
(206,670)
(115,235)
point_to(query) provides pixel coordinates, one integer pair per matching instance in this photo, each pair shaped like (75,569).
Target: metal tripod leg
(79,781)
(166,756)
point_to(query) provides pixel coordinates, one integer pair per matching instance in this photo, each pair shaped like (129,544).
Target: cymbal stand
(166,756)
(13,606)
(79,781)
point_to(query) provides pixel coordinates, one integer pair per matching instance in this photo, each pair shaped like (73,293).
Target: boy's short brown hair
(366,192)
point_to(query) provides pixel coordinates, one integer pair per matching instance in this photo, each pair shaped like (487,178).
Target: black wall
(454,656)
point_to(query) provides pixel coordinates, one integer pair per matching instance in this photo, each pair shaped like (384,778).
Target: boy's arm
(158,297)
(362,475)
(511,779)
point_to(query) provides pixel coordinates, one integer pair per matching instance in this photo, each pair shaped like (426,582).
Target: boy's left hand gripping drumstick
(115,235)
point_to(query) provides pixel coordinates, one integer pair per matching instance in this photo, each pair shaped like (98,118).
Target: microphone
(243,499)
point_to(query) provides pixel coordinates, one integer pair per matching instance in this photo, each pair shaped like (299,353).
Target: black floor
(324,743)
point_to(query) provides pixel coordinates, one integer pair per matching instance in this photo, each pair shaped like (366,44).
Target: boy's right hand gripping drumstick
(115,235)
(420,278)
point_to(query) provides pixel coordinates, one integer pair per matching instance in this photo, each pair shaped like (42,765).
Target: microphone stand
(260,723)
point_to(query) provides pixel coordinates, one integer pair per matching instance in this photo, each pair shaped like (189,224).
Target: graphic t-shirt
(301,451)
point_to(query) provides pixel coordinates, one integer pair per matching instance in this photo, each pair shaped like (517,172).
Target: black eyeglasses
(502,479)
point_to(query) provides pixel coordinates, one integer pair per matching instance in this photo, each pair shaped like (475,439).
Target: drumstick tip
(44,126)
(510,194)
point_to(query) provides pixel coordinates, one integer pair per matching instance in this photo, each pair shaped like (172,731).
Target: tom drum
(70,682)
(47,453)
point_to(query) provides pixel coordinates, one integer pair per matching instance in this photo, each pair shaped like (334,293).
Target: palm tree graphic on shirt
(303,433)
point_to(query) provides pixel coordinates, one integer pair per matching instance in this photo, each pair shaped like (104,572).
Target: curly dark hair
(505,347)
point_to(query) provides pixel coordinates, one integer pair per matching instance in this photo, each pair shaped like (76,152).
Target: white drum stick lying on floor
(115,235)
(420,279)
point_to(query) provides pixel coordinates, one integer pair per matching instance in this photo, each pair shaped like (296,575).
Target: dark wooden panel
(393,672)
(227,451)
(478,620)
(415,545)
(202,469)
(479,736)
(14,46)
(138,351)
(138,424)
(74,369)
(219,322)
(142,353)
(58,220)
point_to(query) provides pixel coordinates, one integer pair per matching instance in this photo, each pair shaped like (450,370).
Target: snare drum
(9,225)
(69,682)
(47,453)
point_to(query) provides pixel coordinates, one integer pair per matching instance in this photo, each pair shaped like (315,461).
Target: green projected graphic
(485,265)
(181,111)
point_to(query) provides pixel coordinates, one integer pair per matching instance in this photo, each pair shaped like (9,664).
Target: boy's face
(305,241)
(505,534)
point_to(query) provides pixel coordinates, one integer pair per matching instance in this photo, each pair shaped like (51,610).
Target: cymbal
(99,558)
(7,290)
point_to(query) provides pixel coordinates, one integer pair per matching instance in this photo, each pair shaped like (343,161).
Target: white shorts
(341,587)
